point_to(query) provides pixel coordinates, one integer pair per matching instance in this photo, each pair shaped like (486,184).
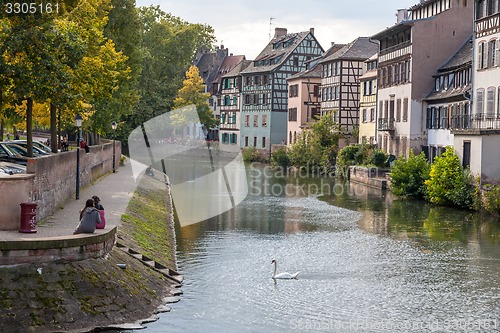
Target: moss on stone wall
(88,294)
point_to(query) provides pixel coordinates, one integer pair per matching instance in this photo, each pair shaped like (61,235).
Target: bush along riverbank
(115,291)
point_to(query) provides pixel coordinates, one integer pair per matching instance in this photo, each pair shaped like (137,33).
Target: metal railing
(476,121)
(386,124)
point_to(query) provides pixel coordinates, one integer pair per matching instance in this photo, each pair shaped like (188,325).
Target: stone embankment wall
(375,177)
(54,181)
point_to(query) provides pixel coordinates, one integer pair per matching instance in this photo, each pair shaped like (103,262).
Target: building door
(466,158)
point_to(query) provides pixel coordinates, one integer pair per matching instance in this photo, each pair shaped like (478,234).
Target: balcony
(487,25)
(395,51)
(475,122)
(386,124)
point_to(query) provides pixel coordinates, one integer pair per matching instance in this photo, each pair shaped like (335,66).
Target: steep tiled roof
(360,49)
(314,69)
(209,63)
(463,57)
(227,65)
(238,68)
(280,48)
(460,58)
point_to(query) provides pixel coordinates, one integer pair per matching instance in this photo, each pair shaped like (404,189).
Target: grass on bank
(145,225)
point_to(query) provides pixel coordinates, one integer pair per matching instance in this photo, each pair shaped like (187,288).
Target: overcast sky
(244,26)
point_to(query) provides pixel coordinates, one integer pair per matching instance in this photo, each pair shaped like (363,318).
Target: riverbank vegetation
(444,182)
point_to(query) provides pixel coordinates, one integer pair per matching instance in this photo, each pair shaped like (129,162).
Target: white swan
(284,275)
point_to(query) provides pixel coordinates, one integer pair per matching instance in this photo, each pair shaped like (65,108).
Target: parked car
(12,168)
(9,155)
(23,151)
(38,148)
(36,144)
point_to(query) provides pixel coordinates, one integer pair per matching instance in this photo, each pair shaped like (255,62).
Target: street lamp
(113,127)
(78,124)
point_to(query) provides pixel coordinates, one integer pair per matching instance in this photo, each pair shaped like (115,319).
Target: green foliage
(492,199)
(448,183)
(408,176)
(251,154)
(193,93)
(316,148)
(280,158)
(378,158)
(359,154)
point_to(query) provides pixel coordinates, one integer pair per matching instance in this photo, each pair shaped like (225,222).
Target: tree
(408,176)
(317,147)
(448,183)
(169,45)
(192,93)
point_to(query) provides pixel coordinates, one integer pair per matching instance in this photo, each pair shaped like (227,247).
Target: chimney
(279,32)
(402,15)
(333,43)
(311,30)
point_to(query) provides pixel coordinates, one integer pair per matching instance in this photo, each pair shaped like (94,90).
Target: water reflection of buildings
(375,214)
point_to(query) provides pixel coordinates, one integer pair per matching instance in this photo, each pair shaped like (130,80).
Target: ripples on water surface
(360,270)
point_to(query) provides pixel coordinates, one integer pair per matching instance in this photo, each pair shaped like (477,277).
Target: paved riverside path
(115,191)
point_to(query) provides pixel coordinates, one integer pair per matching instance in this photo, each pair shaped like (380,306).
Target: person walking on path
(89,218)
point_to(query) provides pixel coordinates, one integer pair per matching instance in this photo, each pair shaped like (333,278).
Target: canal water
(368,262)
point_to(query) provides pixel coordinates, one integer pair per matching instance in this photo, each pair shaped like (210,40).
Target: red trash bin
(28,217)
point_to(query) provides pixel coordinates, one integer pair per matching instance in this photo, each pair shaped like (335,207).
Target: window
(255,141)
(263,142)
(481,56)
(365,115)
(407,71)
(398,110)
(490,102)
(372,115)
(405,110)
(294,90)
(235,100)
(264,120)
(234,138)
(315,112)
(227,100)
(246,141)
(292,114)
(247,120)
(295,61)
(255,120)
(492,51)
(480,101)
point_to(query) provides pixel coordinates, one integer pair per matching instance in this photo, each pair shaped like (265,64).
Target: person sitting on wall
(100,208)
(89,218)
(85,146)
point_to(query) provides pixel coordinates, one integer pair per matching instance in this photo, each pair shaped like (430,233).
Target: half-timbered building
(368,101)
(304,101)
(424,38)
(265,91)
(304,95)
(230,105)
(340,82)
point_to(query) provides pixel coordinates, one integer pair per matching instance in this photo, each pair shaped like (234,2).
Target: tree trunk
(2,122)
(53,127)
(29,126)
(59,128)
